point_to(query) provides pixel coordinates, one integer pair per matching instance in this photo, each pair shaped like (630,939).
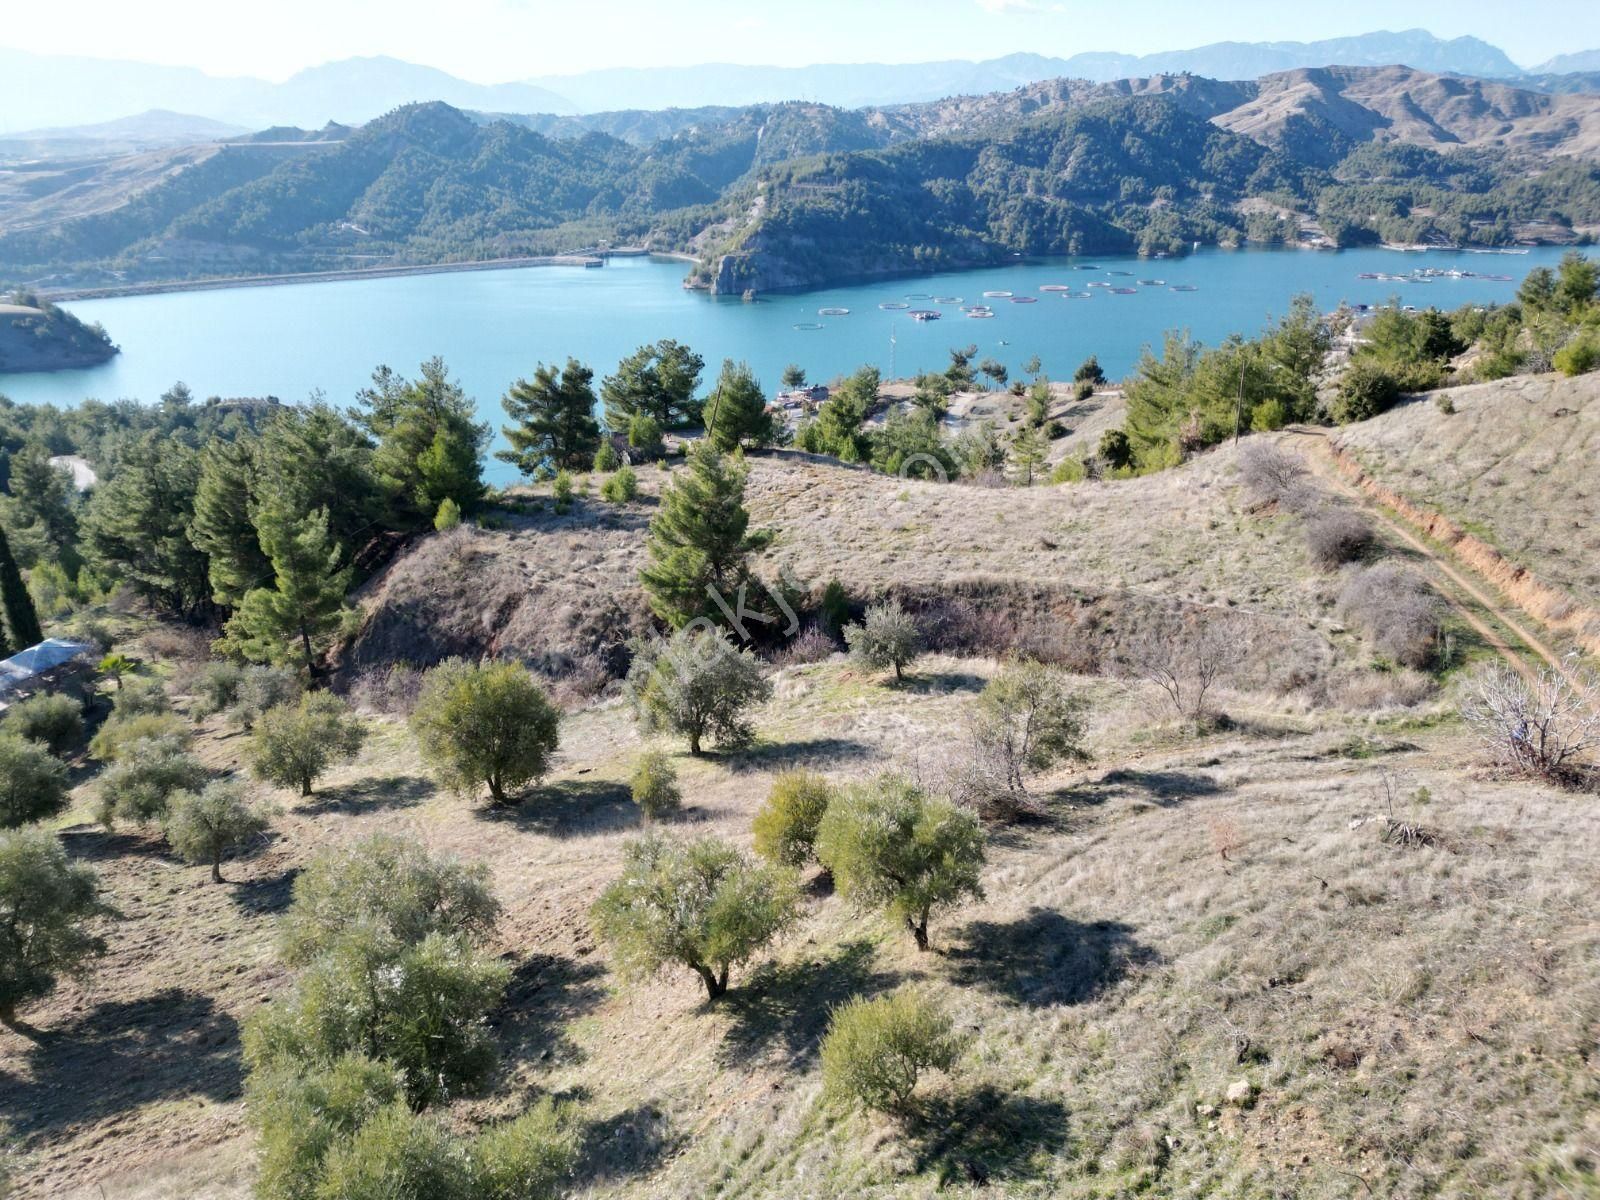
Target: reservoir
(297,340)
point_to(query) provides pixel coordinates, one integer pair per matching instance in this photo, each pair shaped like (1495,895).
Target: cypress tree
(555,419)
(21,621)
(294,617)
(737,413)
(697,539)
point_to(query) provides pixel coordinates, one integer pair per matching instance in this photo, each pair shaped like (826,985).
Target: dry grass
(1418,1018)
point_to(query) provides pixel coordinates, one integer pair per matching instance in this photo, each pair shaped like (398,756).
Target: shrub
(140,698)
(606,457)
(655,785)
(561,490)
(786,826)
(1547,728)
(145,776)
(644,435)
(204,826)
(448,517)
(263,688)
(893,848)
(835,607)
(700,905)
(1185,663)
(697,684)
(392,690)
(876,1049)
(389,884)
(421,1006)
(55,721)
(33,782)
(1116,449)
(1027,719)
(217,687)
(887,637)
(488,725)
(1365,390)
(1398,611)
(1082,389)
(301,1113)
(1336,536)
(1579,356)
(810,645)
(397,1155)
(48,901)
(295,744)
(528,1158)
(113,738)
(621,487)
(1270,474)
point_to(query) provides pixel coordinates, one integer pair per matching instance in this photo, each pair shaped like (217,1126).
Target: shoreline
(349,274)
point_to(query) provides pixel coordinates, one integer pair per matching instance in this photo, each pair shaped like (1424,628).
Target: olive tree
(893,848)
(1027,719)
(33,782)
(204,826)
(886,637)
(489,725)
(785,827)
(701,905)
(294,744)
(698,684)
(56,721)
(46,906)
(876,1049)
(387,882)
(145,777)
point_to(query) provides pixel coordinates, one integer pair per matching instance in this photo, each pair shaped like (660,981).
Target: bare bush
(1336,536)
(811,645)
(1397,610)
(1186,664)
(1547,727)
(1270,474)
(390,691)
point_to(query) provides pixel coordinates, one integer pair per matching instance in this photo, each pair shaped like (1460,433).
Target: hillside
(799,194)
(42,337)
(1198,911)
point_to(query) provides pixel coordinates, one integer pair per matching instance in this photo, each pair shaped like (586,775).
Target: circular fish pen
(807,326)
(997,295)
(833,312)
(894,305)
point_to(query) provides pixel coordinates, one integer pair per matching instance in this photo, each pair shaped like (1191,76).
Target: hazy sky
(494,41)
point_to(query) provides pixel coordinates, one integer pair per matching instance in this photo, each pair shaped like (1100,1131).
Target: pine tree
(1028,453)
(21,624)
(429,447)
(312,457)
(697,539)
(306,604)
(658,381)
(222,527)
(555,419)
(45,493)
(737,412)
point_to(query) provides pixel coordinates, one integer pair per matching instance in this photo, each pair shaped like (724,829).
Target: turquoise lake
(494,326)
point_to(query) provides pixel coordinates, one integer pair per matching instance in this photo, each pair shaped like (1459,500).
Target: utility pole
(1238,408)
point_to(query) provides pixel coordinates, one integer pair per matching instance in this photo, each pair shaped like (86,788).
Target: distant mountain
(863,84)
(147,131)
(1568,64)
(798,194)
(52,90)
(1577,83)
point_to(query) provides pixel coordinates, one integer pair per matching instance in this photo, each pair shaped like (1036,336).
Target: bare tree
(1186,664)
(1547,727)
(1269,472)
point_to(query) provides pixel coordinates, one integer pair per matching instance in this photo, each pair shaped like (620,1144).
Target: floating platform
(833,312)
(807,326)
(998,295)
(926,314)
(1024,299)
(894,305)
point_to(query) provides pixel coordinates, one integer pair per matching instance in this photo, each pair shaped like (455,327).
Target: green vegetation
(294,745)
(46,905)
(736,414)
(56,721)
(698,540)
(785,827)
(49,338)
(202,827)
(555,420)
(887,637)
(893,848)
(622,487)
(700,905)
(656,383)
(19,622)
(147,773)
(654,784)
(486,726)
(33,782)
(697,684)
(876,1049)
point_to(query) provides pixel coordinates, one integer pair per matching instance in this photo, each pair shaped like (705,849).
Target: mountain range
(55,91)
(797,194)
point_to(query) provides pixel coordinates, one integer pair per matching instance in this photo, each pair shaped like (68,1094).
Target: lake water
(494,326)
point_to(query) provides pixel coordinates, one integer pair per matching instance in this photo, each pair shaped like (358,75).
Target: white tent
(29,665)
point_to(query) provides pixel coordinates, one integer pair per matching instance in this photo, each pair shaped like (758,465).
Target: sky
(494,41)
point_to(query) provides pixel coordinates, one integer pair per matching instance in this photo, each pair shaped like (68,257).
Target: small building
(54,665)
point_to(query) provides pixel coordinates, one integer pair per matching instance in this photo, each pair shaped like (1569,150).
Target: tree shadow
(122,1055)
(571,808)
(630,1142)
(265,895)
(1165,788)
(787,1005)
(810,752)
(369,795)
(93,843)
(1045,959)
(546,993)
(938,683)
(986,1134)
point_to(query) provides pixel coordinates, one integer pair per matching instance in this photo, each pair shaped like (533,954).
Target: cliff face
(46,338)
